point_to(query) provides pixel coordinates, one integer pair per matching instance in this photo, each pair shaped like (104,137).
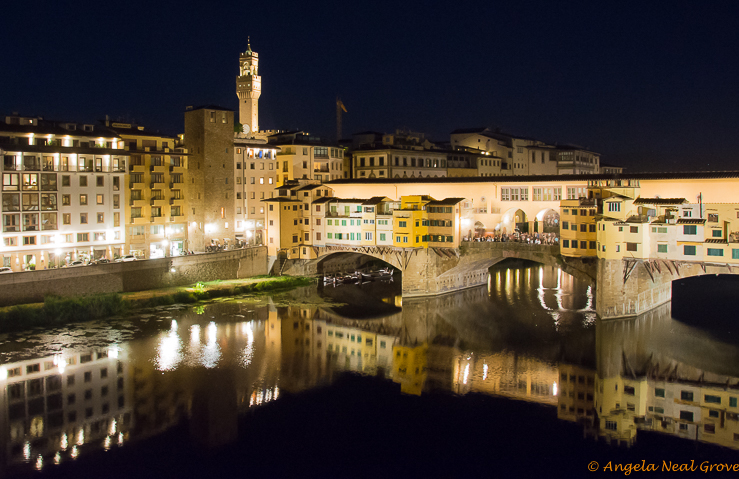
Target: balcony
(138,220)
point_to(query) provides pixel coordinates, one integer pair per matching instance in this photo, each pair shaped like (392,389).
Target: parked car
(100,261)
(127,258)
(75,263)
(6,269)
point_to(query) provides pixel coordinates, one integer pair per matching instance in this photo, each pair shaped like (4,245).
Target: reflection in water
(529,335)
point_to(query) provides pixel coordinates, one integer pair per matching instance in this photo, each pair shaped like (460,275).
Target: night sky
(653,86)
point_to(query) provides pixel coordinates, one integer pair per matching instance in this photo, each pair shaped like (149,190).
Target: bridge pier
(631,287)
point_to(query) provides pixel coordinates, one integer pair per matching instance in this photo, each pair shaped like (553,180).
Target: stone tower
(248,89)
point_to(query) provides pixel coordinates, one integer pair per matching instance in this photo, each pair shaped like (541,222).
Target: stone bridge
(431,271)
(624,288)
(630,287)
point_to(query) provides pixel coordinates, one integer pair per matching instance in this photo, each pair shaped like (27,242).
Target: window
(83,200)
(100,181)
(81,237)
(614,206)
(83,181)
(632,246)
(689,250)
(686,395)
(100,199)
(659,392)
(714,252)
(83,218)
(101,217)
(690,229)
(661,248)
(686,416)
(712,399)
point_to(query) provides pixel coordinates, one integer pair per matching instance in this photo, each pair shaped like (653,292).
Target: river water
(518,376)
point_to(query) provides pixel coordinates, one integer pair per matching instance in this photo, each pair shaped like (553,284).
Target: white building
(63,193)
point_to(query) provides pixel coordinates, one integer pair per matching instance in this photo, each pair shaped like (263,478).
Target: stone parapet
(32,286)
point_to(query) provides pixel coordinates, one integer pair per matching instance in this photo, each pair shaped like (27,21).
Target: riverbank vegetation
(56,311)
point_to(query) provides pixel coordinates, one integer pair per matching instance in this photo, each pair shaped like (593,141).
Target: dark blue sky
(650,85)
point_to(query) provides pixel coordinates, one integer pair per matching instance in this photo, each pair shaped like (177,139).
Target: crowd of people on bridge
(517,237)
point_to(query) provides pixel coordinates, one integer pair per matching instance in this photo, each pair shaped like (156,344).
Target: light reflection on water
(529,335)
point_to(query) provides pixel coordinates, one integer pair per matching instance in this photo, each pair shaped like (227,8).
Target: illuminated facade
(573,160)
(255,166)
(298,161)
(157,192)
(209,137)
(510,154)
(248,90)
(303,216)
(63,193)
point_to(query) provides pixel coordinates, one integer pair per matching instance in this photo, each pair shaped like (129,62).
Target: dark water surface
(517,378)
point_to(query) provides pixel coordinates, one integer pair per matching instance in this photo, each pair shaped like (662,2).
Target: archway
(479,229)
(547,221)
(521,221)
(349,262)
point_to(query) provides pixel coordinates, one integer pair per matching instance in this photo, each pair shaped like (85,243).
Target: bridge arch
(350,260)
(515,219)
(547,221)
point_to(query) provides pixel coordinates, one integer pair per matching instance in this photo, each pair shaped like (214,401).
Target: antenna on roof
(339,108)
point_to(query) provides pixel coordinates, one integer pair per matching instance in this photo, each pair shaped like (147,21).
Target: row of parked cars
(122,259)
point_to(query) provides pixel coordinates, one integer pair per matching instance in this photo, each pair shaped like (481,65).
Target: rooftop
(659,201)
(545,178)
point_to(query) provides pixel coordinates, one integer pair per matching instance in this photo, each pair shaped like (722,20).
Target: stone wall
(648,285)
(32,286)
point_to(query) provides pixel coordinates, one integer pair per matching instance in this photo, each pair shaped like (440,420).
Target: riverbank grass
(56,311)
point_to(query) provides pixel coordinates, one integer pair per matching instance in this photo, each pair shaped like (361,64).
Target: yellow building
(410,222)
(577,227)
(157,191)
(410,367)
(576,393)
(303,215)
(606,202)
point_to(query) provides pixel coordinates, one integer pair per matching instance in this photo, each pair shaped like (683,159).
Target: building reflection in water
(657,374)
(56,406)
(529,335)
